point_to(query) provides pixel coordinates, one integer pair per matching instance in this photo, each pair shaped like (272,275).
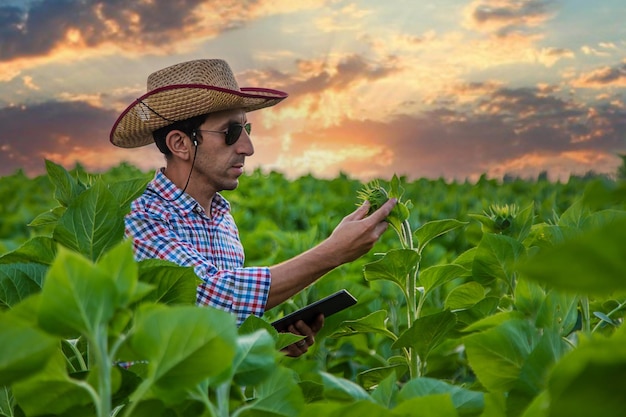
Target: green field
(486,298)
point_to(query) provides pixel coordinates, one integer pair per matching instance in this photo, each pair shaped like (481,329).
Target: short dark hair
(187,126)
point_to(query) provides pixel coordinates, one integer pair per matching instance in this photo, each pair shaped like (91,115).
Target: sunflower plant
(402,267)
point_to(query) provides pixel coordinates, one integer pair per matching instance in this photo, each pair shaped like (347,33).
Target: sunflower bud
(375,194)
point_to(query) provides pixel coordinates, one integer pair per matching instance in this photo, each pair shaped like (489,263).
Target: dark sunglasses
(232,133)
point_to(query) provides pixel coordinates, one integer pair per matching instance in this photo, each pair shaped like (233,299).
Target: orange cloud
(94,100)
(84,30)
(28,83)
(603,77)
(330,158)
(324,93)
(101,158)
(273,7)
(560,166)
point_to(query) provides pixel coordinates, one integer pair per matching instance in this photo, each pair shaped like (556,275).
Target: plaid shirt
(180,231)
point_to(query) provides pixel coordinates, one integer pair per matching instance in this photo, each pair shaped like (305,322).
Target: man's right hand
(357,233)
(353,237)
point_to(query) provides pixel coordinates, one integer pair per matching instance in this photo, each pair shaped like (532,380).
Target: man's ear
(180,144)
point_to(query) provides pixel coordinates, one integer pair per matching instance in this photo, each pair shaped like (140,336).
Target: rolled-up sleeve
(210,245)
(242,291)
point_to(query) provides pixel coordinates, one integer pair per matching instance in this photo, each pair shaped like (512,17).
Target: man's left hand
(301,328)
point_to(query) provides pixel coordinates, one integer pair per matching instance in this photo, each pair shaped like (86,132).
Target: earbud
(194,139)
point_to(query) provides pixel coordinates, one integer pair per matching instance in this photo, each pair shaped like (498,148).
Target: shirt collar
(163,188)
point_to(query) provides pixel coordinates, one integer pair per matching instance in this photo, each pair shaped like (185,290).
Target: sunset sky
(439,89)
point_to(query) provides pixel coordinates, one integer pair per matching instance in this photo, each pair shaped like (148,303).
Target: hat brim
(162,106)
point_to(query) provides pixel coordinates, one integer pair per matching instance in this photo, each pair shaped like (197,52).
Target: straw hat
(182,91)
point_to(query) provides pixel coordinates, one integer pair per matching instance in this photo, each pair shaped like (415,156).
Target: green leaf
(18,281)
(342,389)
(484,309)
(278,395)
(398,215)
(464,296)
(77,297)
(605,318)
(435,405)
(496,257)
(359,408)
(558,311)
(575,215)
(372,377)
(183,344)
(395,189)
(150,408)
(173,284)
(27,309)
(92,223)
(603,218)
(6,401)
(253,323)
(602,192)
(493,320)
(488,225)
(311,391)
(67,188)
(436,276)
(128,190)
(48,218)
(255,358)
(24,349)
(372,323)
(529,296)
(430,230)
(523,222)
(286,339)
(120,265)
(591,263)
(466,259)
(51,391)
(538,407)
(39,249)
(386,390)
(394,266)
(497,355)
(547,235)
(466,402)
(550,348)
(587,381)
(426,333)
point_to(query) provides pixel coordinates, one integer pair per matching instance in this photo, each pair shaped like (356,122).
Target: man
(196,114)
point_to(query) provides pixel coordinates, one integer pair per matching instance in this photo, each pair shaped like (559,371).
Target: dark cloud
(514,11)
(11,26)
(559,52)
(351,70)
(514,17)
(605,76)
(30,133)
(527,109)
(506,125)
(39,29)
(453,144)
(524,122)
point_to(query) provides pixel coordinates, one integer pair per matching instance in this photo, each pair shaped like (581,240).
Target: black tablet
(327,306)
